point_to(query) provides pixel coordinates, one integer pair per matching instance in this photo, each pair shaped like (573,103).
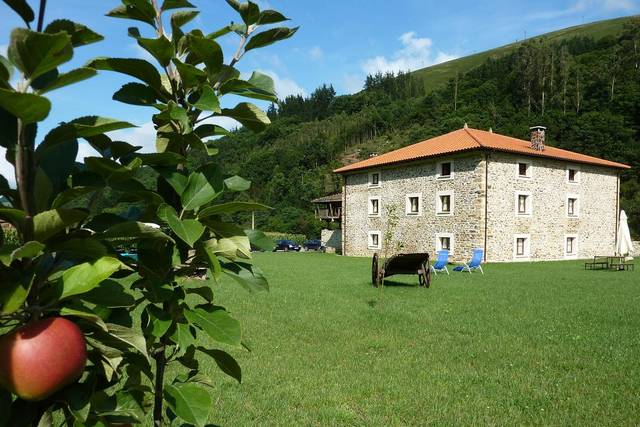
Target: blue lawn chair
(441,263)
(474,264)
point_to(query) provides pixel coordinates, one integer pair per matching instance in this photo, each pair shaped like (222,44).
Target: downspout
(486,201)
(617,208)
(344,215)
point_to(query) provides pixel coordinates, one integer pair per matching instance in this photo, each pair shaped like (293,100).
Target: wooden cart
(402,264)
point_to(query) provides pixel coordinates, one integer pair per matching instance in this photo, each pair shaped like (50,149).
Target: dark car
(313,245)
(286,245)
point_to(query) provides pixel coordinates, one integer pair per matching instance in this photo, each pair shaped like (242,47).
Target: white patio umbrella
(624,245)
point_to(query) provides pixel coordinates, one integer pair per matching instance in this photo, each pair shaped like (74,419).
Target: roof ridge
(473,137)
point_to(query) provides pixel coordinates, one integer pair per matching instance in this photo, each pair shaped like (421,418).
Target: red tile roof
(473,139)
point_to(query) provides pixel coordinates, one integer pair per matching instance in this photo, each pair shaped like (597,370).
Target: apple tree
(142,313)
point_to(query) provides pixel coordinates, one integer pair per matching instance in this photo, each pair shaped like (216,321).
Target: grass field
(527,344)
(438,75)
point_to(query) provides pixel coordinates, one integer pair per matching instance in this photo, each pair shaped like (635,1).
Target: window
(523,204)
(444,170)
(521,246)
(414,204)
(444,241)
(573,206)
(444,203)
(374,206)
(374,240)
(573,175)
(374,179)
(523,169)
(571,245)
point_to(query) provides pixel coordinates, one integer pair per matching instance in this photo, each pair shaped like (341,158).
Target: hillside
(586,90)
(436,76)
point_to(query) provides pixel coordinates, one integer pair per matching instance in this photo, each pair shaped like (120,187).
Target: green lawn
(530,343)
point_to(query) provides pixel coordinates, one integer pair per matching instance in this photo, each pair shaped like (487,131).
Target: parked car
(313,245)
(286,245)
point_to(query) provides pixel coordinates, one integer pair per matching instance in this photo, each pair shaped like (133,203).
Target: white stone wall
(332,239)
(548,224)
(417,233)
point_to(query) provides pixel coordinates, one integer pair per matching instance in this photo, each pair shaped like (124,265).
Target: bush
(297,238)
(11,238)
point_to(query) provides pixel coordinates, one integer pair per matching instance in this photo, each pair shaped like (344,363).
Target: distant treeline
(586,91)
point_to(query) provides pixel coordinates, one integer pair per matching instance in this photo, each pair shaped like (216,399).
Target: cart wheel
(375,274)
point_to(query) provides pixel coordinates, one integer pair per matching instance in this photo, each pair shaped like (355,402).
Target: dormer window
(444,170)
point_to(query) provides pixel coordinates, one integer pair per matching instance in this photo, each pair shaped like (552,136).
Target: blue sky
(339,42)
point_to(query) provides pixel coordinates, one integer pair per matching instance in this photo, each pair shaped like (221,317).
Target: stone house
(519,200)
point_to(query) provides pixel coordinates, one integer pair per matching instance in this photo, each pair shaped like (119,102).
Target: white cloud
(144,136)
(352,83)
(416,53)
(284,86)
(316,53)
(6,168)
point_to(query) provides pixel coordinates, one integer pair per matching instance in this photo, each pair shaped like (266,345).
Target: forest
(586,92)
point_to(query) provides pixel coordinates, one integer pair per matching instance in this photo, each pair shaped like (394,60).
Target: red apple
(42,357)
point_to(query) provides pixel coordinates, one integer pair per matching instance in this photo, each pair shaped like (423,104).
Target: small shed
(329,208)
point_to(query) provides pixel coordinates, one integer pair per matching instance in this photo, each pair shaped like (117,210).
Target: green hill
(438,75)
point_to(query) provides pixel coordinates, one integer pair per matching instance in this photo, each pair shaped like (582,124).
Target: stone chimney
(537,137)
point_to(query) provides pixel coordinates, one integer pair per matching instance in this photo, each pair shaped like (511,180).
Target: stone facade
(545,225)
(332,240)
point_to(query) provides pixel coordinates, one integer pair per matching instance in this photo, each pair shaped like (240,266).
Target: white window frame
(529,164)
(576,208)
(370,205)
(370,239)
(449,193)
(407,207)
(527,246)
(578,174)
(439,169)
(529,207)
(451,242)
(574,254)
(370,181)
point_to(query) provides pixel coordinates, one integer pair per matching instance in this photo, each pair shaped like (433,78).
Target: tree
(69,263)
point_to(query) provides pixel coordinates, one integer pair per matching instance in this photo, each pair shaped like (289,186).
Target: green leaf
(111,294)
(72,194)
(22,8)
(160,321)
(36,53)
(80,35)
(231,247)
(138,68)
(175,4)
(217,323)
(81,248)
(178,19)
(225,362)
(268,37)
(14,290)
(162,159)
(82,127)
(189,230)
(259,86)
(207,130)
(260,240)
(129,337)
(28,107)
(46,420)
(14,217)
(136,94)
(248,276)
(110,170)
(190,75)
(28,250)
(6,69)
(207,51)
(249,115)
(85,314)
(237,183)
(231,207)
(203,186)
(50,223)
(190,402)
(183,337)
(160,48)
(250,12)
(138,10)
(208,100)
(271,17)
(132,230)
(84,277)
(66,79)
